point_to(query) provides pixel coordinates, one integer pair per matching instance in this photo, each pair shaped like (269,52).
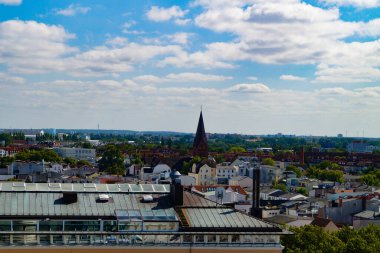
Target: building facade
(125,218)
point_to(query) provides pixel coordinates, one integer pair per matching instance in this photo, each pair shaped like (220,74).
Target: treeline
(313,239)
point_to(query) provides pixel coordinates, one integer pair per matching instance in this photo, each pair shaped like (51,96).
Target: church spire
(200,146)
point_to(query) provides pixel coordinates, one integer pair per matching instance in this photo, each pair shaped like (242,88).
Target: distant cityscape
(185,182)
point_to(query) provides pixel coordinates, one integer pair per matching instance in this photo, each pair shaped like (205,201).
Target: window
(223,239)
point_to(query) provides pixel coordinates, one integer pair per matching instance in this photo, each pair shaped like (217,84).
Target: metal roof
(222,218)
(87,187)
(50,205)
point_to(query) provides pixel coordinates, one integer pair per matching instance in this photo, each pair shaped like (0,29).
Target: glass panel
(199,239)
(51,225)
(174,239)
(163,239)
(124,239)
(211,238)
(82,225)
(187,239)
(130,225)
(223,239)
(246,238)
(57,239)
(149,239)
(136,239)
(5,240)
(5,225)
(25,226)
(235,239)
(110,226)
(44,239)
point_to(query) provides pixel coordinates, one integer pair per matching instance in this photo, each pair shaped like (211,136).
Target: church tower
(200,146)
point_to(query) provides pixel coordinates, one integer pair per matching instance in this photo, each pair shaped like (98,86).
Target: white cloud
(182,77)
(180,38)
(356,3)
(11,2)
(252,78)
(284,32)
(72,10)
(249,88)
(292,78)
(159,14)
(6,79)
(184,21)
(32,47)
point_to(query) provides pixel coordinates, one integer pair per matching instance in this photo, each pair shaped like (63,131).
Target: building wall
(193,249)
(87,154)
(359,223)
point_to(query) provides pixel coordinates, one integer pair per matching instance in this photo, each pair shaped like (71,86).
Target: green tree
(81,163)
(294,169)
(70,161)
(112,161)
(48,155)
(268,161)
(302,190)
(312,239)
(236,149)
(5,161)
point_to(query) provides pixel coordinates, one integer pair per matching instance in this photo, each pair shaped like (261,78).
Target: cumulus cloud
(292,78)
(160,14)
(72,10)
(11,2)
(30,47)
(283,32)
(249,88)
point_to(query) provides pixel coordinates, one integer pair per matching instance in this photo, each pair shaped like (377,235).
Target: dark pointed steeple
(200,146)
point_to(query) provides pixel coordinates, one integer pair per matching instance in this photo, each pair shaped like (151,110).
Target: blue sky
(256,66)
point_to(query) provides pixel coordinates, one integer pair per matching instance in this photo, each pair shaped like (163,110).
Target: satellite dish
(220,192)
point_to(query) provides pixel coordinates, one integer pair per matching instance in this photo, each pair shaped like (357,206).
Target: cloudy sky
(256,66)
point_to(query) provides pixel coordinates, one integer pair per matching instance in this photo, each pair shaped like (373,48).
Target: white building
(3,153)
(226,171)
(87,154)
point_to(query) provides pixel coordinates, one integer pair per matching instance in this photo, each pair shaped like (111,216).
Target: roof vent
(104,197)
(148,198)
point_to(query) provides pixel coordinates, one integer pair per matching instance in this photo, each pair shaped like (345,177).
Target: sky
(255,66)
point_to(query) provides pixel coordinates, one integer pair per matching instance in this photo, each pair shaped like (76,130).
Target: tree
(5,161)
(81,163)
(346,240)
(236,149)
(70,161)
(268,161)
(48,155)
(312,239)
(112,161)
(294,169)
(302,190)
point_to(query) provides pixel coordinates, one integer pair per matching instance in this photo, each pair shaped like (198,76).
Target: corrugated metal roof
(221,218)
(105,188)
(51,204)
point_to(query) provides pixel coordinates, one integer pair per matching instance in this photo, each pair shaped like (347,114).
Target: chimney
(340,203)
(256,210)
(302,156)
(176,192)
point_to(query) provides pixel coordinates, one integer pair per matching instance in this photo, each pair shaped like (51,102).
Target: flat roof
(86,187)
